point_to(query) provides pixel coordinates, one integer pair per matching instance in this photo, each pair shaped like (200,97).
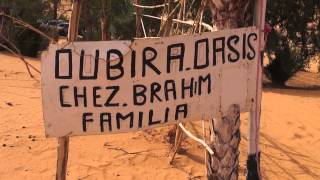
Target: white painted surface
(231,83)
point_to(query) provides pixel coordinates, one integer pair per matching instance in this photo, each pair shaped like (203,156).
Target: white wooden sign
(121,86)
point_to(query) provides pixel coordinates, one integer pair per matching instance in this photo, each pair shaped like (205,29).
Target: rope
(187,22)
(188,133)
(204,140)
(148,7)
(144,30)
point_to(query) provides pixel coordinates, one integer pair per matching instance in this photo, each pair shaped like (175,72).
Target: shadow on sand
(278,155)
(305,91)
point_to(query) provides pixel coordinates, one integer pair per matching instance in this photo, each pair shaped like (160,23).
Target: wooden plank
(63,142)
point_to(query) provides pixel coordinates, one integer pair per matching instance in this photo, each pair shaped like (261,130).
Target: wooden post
(253,161)
(63,142)
(224,130)
(138,19)
(62,162)
(74,21)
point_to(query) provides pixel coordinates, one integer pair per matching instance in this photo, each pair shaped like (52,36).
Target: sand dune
(290,137)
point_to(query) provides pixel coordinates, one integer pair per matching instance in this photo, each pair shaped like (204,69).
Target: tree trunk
(55,9)
(166,23)
(224,140)
(104,21)
(228,14)
(104,29)
(224,131)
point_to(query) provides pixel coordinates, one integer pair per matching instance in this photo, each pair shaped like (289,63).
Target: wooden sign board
(121,86)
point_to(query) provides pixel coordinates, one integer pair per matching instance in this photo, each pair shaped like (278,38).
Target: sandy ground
(290,137)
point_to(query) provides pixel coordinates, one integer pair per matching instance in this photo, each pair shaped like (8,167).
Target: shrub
(285,59)
(283,66)
(27,41)
(294,39)
(30,43)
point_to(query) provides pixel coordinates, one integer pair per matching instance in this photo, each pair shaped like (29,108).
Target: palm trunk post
(224,140)
(225,129)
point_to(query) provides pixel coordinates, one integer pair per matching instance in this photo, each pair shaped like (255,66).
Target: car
(60,25)
(63,28)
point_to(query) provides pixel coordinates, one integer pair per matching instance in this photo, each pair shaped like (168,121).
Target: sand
(290,137)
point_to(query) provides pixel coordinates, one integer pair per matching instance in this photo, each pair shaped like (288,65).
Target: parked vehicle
(60,25)
(63,28)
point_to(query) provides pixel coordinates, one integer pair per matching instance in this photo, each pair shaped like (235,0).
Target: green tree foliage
(121,20)
(28,11)
(31,12)
(295,36)
(121,17)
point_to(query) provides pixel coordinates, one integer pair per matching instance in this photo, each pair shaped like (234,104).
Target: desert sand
(290,137)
